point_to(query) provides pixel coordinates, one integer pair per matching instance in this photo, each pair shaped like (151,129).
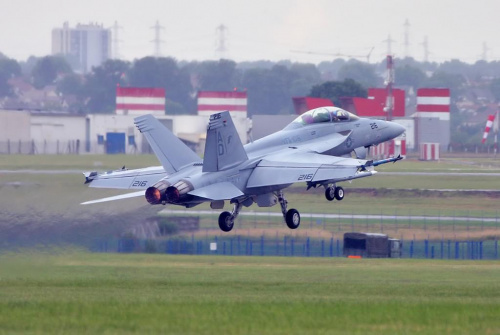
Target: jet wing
(298,166)
(218,191)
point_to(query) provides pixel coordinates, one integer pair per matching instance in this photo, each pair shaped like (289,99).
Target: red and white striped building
(432,118)
(429,151)
(139,100)
(210,102)
(433,103)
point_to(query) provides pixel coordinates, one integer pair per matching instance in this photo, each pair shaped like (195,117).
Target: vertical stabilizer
(172,153)
(223,147)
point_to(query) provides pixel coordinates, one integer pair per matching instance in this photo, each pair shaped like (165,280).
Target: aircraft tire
(226,221)
(292,218)
(330,193)
(339,193)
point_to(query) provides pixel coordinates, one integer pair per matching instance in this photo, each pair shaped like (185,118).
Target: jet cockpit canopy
(323,115)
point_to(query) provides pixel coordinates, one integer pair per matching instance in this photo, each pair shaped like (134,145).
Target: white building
(84,46)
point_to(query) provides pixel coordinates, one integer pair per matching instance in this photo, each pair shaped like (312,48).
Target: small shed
(370,245)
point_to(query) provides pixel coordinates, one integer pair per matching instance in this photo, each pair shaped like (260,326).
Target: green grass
(107,162)
(77,162)
(127,294)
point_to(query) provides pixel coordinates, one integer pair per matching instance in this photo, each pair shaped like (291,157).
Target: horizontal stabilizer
(116,197)
(138,179)
(218,191)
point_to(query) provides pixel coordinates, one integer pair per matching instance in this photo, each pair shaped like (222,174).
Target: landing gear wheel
(330,193)
(226,221)
(339,193)
(292,218)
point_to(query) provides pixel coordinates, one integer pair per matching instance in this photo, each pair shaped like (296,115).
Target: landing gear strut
(291,216)
(334,192)
(226,219)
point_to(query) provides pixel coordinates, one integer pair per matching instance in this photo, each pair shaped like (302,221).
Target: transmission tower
(425,44)
(389,82)
(157,41)
(389,41)
(116,41)
(221,49)
(484,56)
(407,38)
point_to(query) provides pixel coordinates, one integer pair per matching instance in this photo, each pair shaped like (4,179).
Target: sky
(308,31)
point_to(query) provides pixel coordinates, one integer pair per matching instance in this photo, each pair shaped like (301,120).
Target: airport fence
(67,147)
(290,246)
(456,225)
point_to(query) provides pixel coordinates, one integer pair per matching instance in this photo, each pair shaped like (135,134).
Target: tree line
(269,85)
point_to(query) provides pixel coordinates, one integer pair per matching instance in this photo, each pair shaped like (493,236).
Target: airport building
(62,133)
(85,46)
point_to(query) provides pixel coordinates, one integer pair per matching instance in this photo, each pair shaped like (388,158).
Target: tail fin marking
(223,147)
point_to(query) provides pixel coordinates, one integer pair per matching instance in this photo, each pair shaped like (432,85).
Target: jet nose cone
(396,129)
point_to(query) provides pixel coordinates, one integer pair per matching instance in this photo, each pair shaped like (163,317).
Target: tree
(495,88)
(70,84)
(8,68)
(302,78)
(330,70)
(268,90)
(100,85)
(333,90)
(363,73)
(47,69)
(408,75)
(217,75)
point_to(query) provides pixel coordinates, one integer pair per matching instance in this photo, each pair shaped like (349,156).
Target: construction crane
(337,54)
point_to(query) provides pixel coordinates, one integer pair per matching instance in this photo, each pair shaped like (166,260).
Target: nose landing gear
(226,219)
(291,216)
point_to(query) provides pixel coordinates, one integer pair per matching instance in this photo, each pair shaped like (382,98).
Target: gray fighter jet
(317,148)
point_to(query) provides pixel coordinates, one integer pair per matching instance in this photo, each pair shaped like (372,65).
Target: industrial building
(32,132)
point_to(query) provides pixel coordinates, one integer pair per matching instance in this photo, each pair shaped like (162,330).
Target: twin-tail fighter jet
(317,148)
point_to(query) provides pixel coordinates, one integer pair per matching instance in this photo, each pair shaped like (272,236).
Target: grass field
(74,292)
(81,293)
(109,162)
(45,207)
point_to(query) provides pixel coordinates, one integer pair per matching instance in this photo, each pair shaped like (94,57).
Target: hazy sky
(264,29)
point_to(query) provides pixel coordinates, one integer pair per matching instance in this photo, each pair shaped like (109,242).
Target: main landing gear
(334,192)
(291,216)
(226,219)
